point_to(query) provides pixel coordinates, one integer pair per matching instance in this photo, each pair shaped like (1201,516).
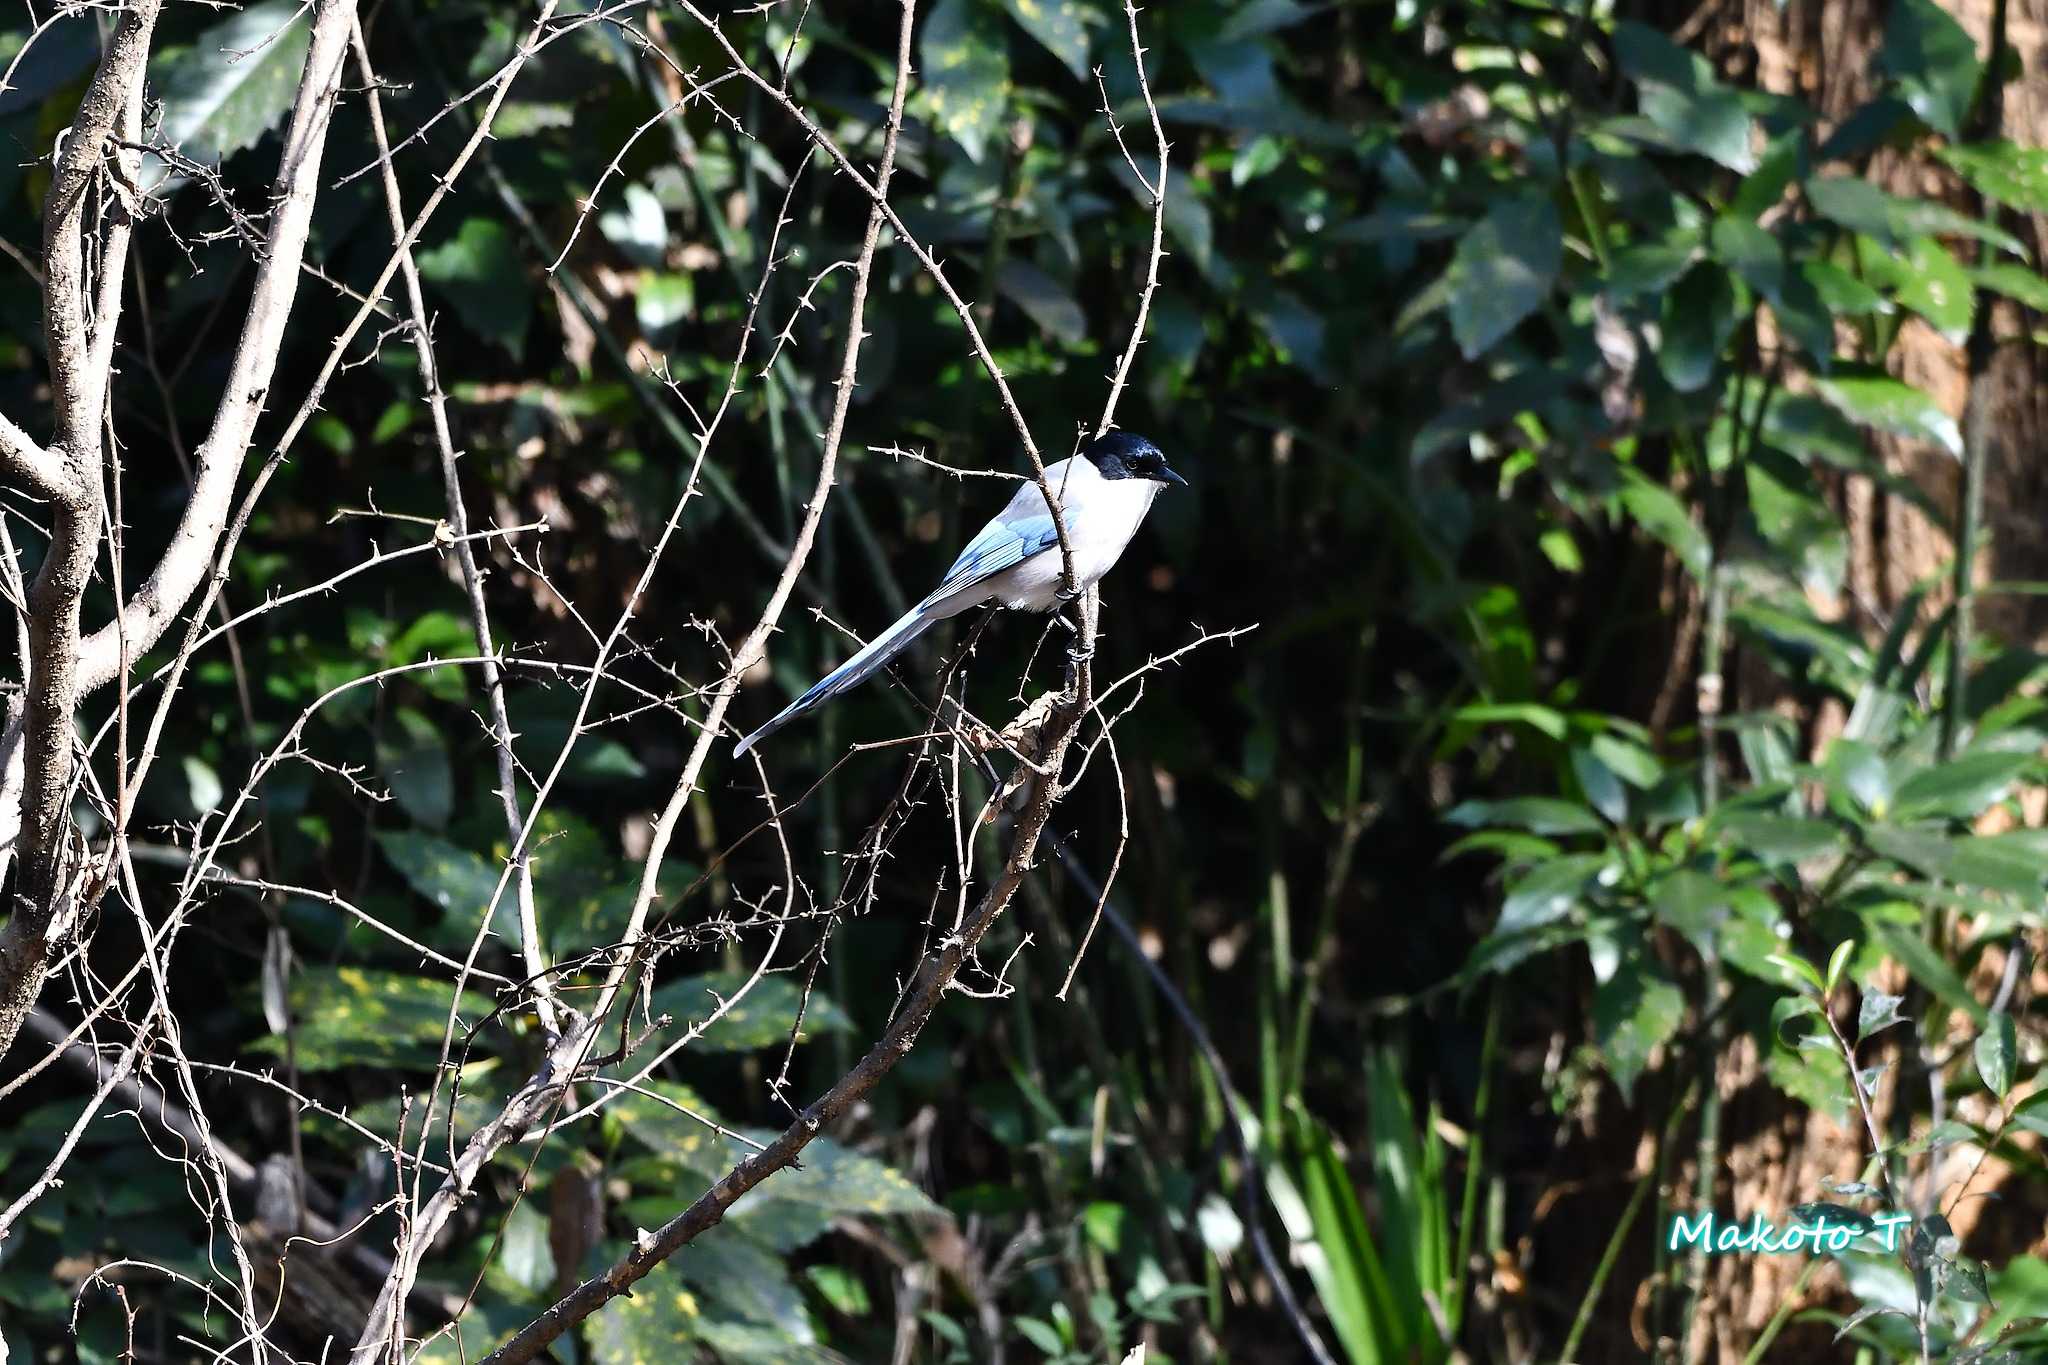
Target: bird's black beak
(1166,475)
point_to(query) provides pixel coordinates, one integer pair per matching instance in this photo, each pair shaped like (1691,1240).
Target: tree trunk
(1773,1153)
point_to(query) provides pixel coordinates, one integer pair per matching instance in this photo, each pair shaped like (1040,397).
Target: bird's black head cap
(1125,455)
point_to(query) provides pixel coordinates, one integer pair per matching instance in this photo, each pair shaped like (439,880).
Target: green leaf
(1856,772)
(1919,848)
(965,57)
(1997,1047)
(2014,862)
(659,1316)
(1549,891)
(1871,397)
(1601,786)
(1295,329)
(455,879)
(1836,961)
(1692,903)
(1934,60)
(1634,1012)
(637,225)
(1929,968)
(1947,1133)
(762,1018)
(1510,846)
(1815,1077)
(1875,212)
(1042,1335)
(236,82)
(525,1254)
(1841,292)
(1699,316)
(2013,175)
(1966,1284)
(479,271)
(1961,788)
(1545,719)
(1651,267)
(1928,280)
(1800,970)
(1537,814)
(414,761)
(1780,838)
(1785,1009)
(432,633)
(1877,1013)
(1636,765)
(1044,300)
(1803,426)
(1103,1222)
(1751,251)
(831,1179)
(1503,270)
(663,302)
(1678,93)
(841,1288)
(2020,283)
(356,1016)
(740,1278)
(1060,28)
(1657,510)
(1345,1264)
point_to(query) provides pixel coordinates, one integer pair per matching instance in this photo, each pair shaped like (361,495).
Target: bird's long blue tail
(848,675)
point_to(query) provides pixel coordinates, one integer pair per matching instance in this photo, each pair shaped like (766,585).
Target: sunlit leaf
(1873,398)
(1996,1049)
(235,83)
(762,1018)
(1634,1014)
(1877,1013)
(1060,26)
(1962,787)
(2018,282)
(1928,280)
(357,1016)
(2013,175)
(966,68)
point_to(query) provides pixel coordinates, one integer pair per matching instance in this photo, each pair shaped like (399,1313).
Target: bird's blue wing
(1000,545)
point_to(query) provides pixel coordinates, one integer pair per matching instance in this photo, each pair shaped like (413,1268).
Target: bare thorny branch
(59,876)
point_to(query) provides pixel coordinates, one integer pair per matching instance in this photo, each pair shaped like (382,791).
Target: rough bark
(1776,1154)
(63,663)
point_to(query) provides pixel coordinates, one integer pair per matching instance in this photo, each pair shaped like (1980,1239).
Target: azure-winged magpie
(1104,493)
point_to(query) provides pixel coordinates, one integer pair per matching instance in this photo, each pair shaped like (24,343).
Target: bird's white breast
(1101,517)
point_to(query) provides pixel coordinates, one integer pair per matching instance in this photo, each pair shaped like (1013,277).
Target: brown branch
(112,103)
(219,458)
(40,471)
(935,976)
